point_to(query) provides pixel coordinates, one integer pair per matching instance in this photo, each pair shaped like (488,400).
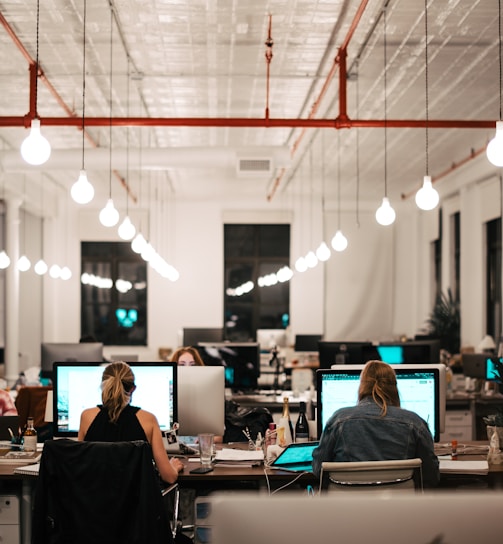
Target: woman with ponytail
(116,420)
(377,429)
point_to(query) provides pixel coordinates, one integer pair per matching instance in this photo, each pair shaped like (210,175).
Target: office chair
(100,492)
(372,476)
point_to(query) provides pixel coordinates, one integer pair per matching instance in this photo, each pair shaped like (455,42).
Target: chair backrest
(100,492)
(400,474)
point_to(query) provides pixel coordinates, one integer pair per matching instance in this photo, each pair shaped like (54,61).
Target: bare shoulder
(146,417)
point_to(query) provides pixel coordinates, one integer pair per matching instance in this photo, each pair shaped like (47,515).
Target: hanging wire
(385,110)
(338,181)
(357,145)
(110,98)
(36,59)
(127,138)
(499,45)
(426,79)
(84,82)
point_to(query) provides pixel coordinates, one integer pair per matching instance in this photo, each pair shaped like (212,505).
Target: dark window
(114,295)
(493,296)
(251,252)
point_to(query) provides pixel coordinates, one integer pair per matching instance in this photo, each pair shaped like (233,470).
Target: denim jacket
(361,433)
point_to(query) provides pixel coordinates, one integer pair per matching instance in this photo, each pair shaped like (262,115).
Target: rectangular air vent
(253,166)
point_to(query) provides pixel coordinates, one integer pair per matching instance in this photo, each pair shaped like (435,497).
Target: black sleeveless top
(127,427)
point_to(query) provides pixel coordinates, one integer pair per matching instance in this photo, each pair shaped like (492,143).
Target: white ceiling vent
(248,166)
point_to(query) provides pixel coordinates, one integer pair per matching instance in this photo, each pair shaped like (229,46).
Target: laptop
(297,457)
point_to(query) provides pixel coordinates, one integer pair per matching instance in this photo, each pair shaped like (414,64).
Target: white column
(12,291)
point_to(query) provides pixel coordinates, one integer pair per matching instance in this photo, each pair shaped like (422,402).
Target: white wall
(379,288)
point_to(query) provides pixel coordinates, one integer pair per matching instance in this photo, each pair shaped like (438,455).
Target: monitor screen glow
(421,390)
(77,386)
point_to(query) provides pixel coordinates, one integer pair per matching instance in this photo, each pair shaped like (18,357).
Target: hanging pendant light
(23,264)
(385,214)
(339,241)
(109,216)
(323,252)
(126,229)
(82,191)
(4,260)
(427,197)
(494,149)
(40,267)
(55,271)
(35,148)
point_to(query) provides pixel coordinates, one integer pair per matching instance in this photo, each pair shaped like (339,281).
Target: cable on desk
(283,486)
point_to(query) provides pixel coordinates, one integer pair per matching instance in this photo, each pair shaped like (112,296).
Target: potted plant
(444,322)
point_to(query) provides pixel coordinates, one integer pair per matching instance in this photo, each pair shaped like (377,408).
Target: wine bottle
(302,426)
(30,436)
(286,421)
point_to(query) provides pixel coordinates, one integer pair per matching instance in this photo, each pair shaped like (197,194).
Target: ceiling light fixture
(385,214)
(126,229)
(109,216)
(82,191)
(427,197)
(339,241)
(494,149)
(35,148)
(24,264)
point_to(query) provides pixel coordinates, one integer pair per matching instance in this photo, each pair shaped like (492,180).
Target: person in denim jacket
(377,429)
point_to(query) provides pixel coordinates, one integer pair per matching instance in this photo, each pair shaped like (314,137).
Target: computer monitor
(84,352)
(272,338)
(474,365)
(201,400)
(241,362)
(77,386)
(421,389)
(192,336)
(391,354)
(491,369)
(307,342)
(354,353)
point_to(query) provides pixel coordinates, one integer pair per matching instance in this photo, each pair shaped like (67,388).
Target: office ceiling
(193,79)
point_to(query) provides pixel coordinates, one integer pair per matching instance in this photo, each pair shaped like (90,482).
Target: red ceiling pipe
(248,122)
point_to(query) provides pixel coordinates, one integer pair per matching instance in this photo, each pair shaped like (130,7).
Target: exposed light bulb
(311,259)
(300,264)
(385,214)
(494,148)
(23,263)
(40,267)
(109,216)
(82,191)
(138,243)
(35,149)
(55,271)
(65,273)
(427,197)
(148,252)
(339,241)
(126,229)
(323,252)
(4,260)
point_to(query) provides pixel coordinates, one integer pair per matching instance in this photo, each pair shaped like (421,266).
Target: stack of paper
(246,457)
(463,467)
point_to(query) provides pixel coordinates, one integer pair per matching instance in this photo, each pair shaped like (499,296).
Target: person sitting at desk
(187,356)
(116,420)
(7,406)
(377,429)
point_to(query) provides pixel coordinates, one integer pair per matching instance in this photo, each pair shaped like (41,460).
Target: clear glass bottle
(285,416)
(302,425)
(30,436)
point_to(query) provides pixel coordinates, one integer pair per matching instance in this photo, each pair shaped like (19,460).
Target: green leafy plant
(444,322)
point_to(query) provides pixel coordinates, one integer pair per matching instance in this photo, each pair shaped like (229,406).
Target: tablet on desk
(297,457)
